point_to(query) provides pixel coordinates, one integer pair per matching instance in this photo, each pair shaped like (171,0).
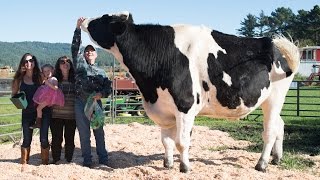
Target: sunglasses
(65,61)
(29,60)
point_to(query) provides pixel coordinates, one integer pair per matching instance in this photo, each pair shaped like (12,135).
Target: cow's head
(103,30)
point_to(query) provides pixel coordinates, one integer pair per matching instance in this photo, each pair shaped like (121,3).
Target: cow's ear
(118,28)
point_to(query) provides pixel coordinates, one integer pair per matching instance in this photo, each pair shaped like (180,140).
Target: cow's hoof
(261,166)
(184,168)
(167,163)
(275,161)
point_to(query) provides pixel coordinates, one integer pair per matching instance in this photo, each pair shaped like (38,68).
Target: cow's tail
(289,50)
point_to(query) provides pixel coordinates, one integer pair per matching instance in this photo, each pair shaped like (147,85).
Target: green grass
(294,161)
(301,137)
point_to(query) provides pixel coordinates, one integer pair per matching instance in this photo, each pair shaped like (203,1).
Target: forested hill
(11,52)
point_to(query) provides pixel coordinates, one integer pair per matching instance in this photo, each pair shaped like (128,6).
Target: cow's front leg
(184,127)
(167,138)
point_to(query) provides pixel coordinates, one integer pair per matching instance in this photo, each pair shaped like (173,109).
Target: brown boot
(45,155)
(25,153)
(37,124)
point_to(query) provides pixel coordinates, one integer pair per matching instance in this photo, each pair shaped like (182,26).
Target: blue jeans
(83,126)
(28,119)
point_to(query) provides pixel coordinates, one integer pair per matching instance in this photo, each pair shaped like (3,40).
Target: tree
(314,24)
(248,26)
(299,28)
(305,26)
(280,20)
(263,24)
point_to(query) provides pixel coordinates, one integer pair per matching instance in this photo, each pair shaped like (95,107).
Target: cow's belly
(217,111)
(162,112)
(214,108)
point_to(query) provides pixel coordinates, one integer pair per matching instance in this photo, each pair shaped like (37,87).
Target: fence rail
(301,101)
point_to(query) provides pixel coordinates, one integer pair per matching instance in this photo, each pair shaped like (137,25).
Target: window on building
(309,54)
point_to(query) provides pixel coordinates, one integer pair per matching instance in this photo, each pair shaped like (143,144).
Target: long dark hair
(21,71)
(58,72)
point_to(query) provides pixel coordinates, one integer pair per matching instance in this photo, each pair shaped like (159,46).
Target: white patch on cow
(163,111)
(276,73)
(117,54)
(196,49)
(191,45)
(227,79)
(265,93)
(126,13)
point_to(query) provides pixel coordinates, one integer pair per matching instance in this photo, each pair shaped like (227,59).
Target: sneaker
(104,163)
(54,162)
(87,165)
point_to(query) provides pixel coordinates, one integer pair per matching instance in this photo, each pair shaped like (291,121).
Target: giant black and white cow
(183,71)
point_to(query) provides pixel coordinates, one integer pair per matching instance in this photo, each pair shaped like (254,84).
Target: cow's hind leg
(273,140)
(277,149)
(167,138)
(273,132)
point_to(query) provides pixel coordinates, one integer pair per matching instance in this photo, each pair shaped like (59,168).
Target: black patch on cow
(198,98)
(247,61)
(104,29)
(288,74)
(101,32)
(154,61)
(279,60)
(205,86)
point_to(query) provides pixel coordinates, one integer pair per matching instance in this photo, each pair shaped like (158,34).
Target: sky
(54,21)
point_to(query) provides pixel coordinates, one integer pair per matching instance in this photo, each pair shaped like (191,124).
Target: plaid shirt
(89,78)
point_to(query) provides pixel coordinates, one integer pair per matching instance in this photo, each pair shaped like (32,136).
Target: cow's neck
(150,54)
(139,45)
(116,53)
(139,58)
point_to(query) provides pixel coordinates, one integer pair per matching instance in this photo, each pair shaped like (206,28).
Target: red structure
(125,86)
(310,53)
(314,74)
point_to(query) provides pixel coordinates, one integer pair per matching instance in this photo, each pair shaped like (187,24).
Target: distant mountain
(11,52)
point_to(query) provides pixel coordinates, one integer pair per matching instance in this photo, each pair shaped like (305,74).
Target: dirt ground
(136,152)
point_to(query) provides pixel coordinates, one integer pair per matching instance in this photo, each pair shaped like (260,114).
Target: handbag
(94,113)
(20,100)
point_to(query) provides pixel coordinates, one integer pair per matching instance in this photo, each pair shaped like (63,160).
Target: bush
(299,77)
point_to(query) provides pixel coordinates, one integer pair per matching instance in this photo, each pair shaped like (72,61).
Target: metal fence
(302,101)
(15,128)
